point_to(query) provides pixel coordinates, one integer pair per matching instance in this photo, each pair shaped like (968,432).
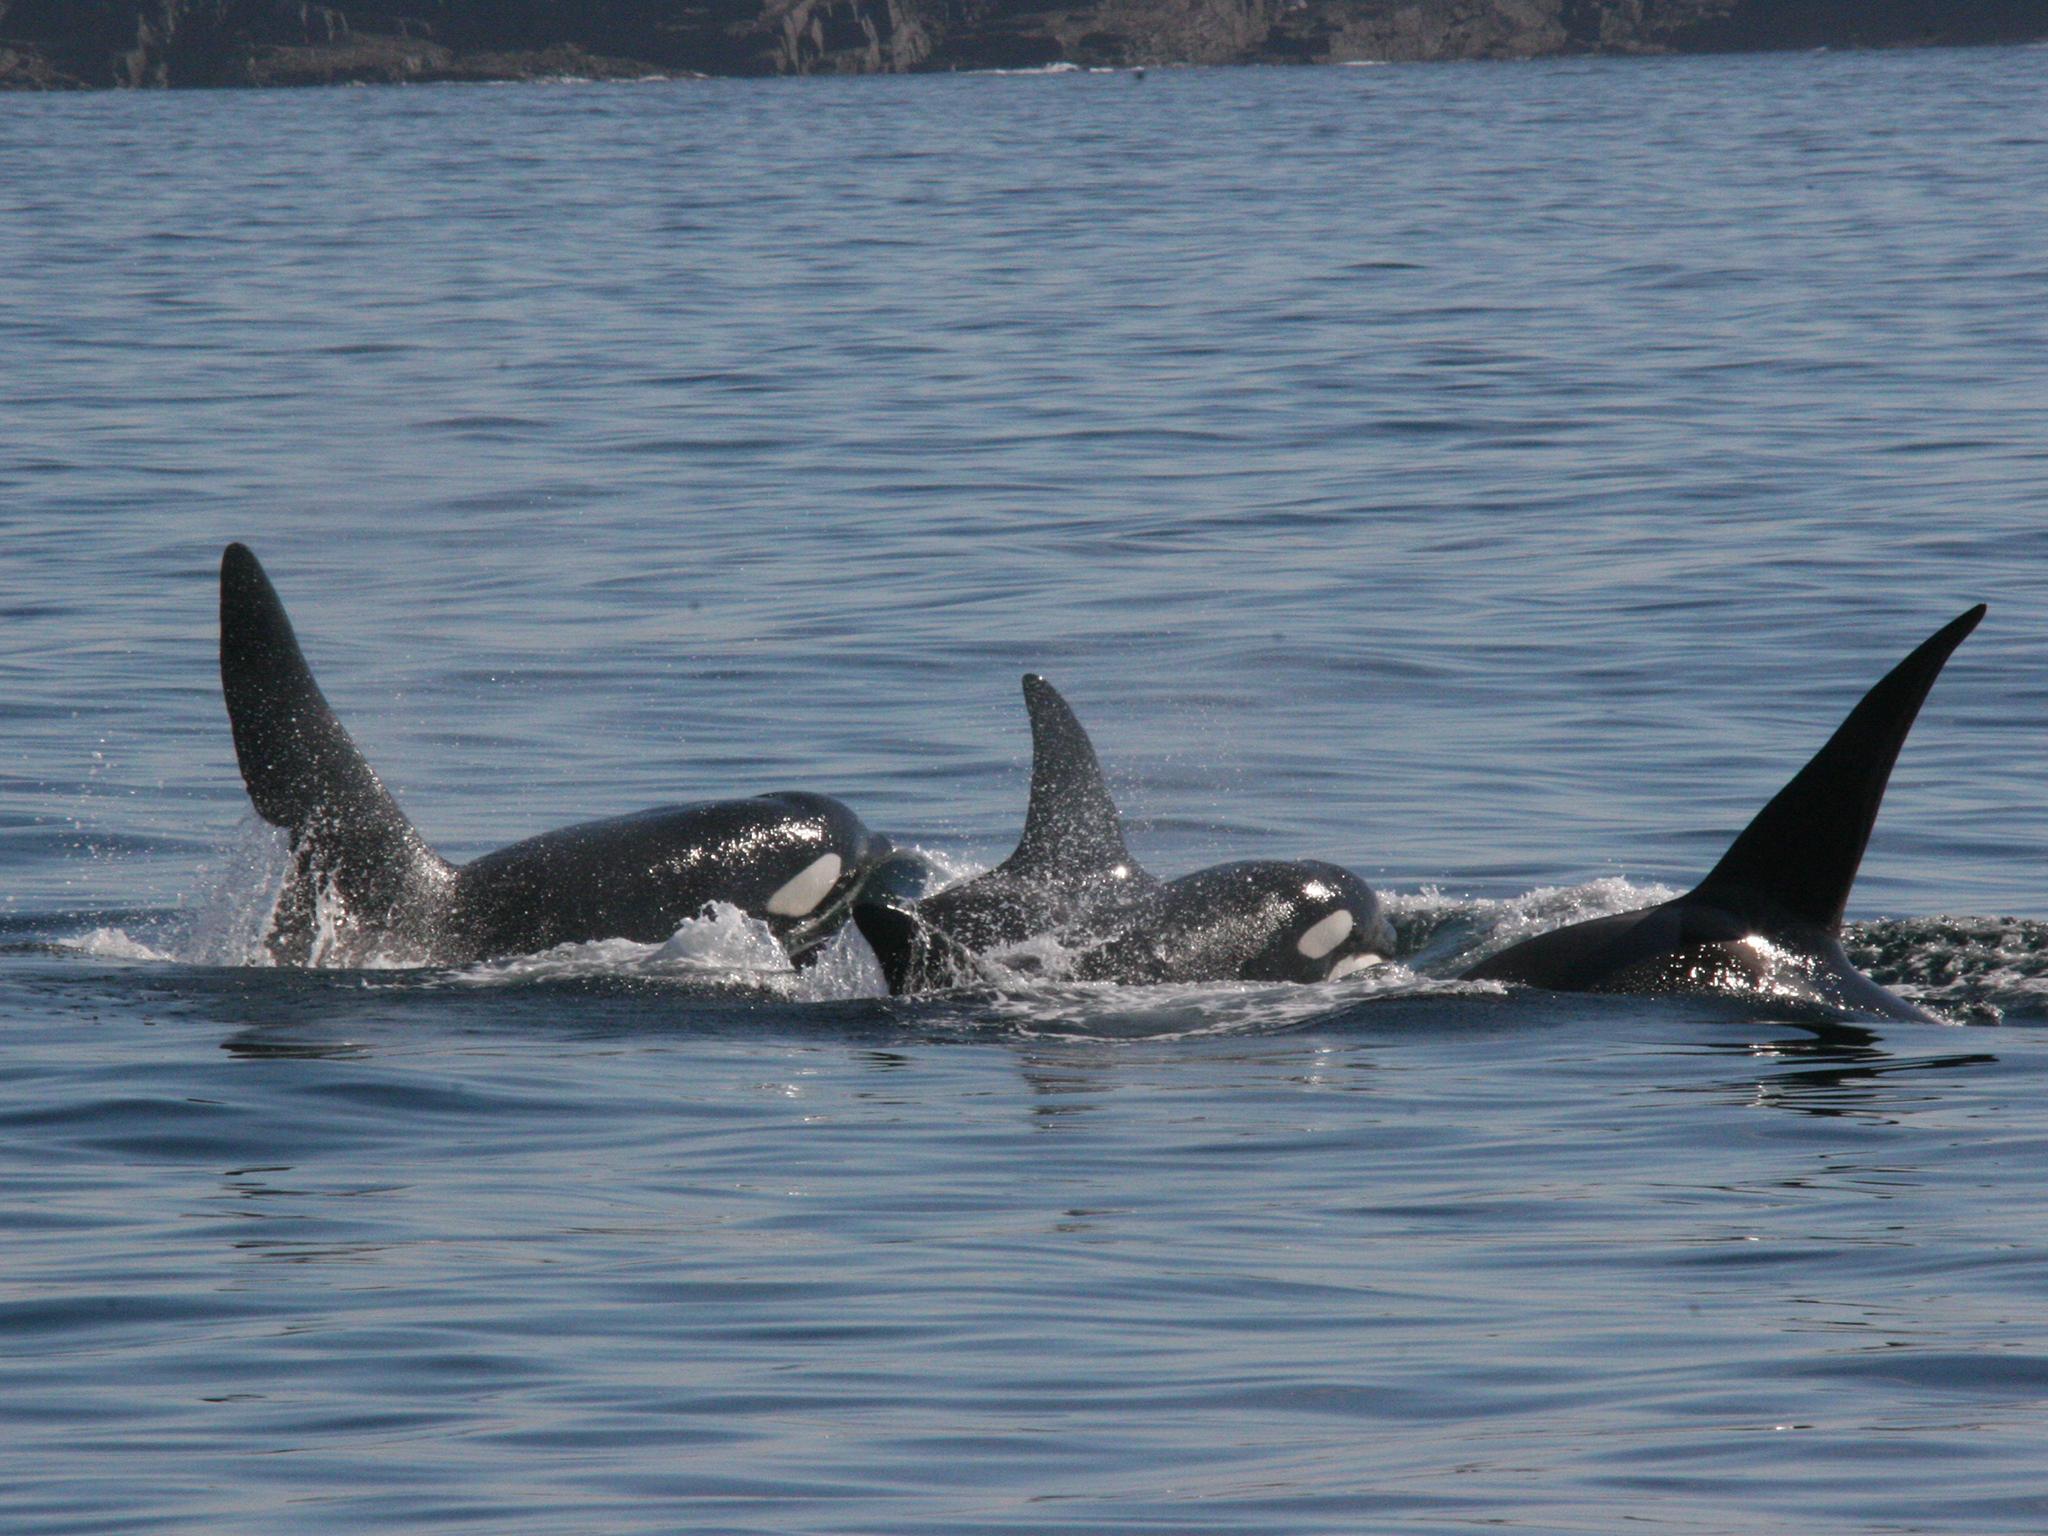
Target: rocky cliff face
(54,43)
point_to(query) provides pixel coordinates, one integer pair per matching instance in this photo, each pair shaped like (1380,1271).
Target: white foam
(1063,67)
(845,968)
(723,942)
(724,948)
(112,944)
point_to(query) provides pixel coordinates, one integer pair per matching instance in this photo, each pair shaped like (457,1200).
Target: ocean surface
(1497,479)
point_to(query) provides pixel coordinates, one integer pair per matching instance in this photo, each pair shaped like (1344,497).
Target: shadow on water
(1835,1069)
(314,1014)
(297,1019)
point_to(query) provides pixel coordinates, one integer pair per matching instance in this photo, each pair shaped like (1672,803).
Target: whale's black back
(364,882)
(642,876)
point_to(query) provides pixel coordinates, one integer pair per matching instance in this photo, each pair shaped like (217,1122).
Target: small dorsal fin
(1071,830)
(1801,852)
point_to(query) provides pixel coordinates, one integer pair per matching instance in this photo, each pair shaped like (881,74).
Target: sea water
(1497,479)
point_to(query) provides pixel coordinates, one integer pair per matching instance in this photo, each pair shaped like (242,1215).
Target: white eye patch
(802,893)
(1325,935)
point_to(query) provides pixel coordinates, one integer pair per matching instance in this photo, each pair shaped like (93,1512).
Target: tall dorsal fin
(303,771)
(1802,850)
(1071,830)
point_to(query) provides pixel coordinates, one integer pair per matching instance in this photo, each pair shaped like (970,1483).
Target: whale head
(809,883)
(1299,920)
(1258,920)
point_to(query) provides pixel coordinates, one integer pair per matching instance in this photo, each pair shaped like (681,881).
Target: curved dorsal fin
(303,771)
(1801,852)
(296,757)
(1071,830)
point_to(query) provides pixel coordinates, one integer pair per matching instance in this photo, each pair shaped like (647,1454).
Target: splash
(1976,969)
(1447,933)
(112,944)
(228,919)
(1972,969)
(724,950)
(222,922)
(225,920)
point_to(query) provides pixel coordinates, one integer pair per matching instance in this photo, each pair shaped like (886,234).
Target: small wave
(684,75)
(1023,989)
(1060,68)
(1063,67)
(1973,969)
(582,79)
(1976,969)
(111,944)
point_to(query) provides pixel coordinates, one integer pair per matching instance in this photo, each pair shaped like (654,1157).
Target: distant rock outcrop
(56,43)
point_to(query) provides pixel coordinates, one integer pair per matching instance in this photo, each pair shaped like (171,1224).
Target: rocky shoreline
(84,44)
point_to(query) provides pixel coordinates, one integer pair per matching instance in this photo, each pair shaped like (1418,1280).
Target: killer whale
(1767,919)
(363,883)
(1072,879)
